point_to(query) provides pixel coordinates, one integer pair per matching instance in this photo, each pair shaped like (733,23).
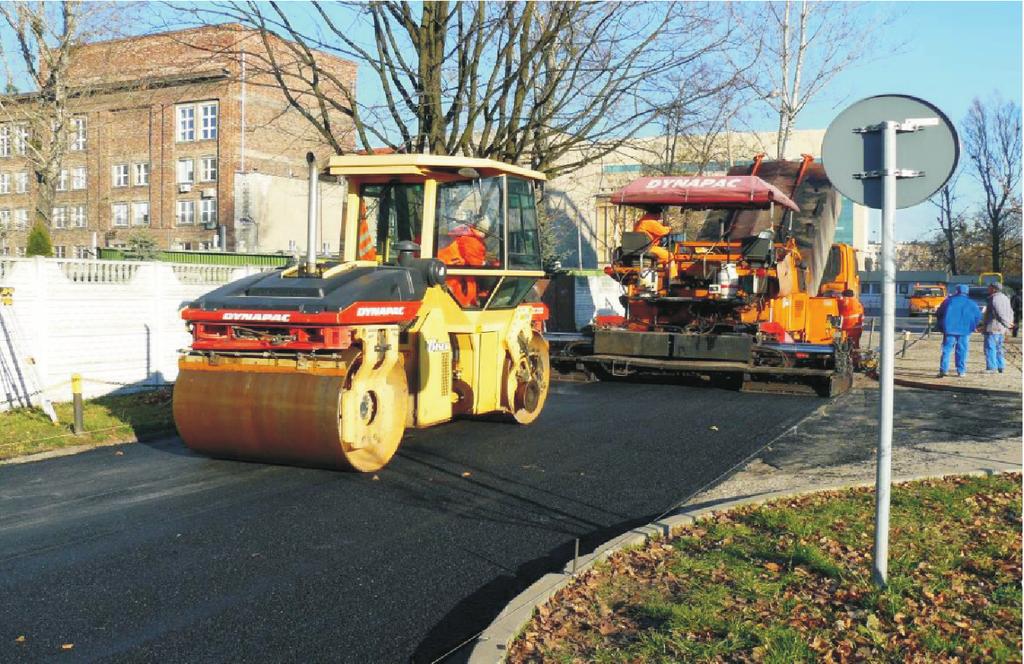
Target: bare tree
(952,223)
(38,121)
(805,46)
(992,141)
(553,85)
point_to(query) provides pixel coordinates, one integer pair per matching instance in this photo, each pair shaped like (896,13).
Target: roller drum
(282,417)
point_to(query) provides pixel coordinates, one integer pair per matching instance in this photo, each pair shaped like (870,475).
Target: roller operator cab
(429,314)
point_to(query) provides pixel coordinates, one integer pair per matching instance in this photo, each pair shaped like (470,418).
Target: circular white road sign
(927,149)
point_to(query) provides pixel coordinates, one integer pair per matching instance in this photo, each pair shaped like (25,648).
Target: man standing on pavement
(998,319)
(957,318)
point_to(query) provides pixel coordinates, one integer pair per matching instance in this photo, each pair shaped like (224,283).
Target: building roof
(421,164)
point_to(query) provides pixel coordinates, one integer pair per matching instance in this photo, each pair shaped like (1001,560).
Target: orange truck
(753,302)
(925,299)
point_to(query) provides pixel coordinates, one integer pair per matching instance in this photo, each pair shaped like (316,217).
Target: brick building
(172,134)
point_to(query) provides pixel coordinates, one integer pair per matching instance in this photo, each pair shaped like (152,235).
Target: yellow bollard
(76,398)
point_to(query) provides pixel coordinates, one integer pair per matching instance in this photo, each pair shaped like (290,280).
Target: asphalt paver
(149,552)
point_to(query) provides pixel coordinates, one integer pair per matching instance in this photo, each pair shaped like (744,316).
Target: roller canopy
(744,192)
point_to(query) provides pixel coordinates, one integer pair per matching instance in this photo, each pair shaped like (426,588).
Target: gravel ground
(935,432)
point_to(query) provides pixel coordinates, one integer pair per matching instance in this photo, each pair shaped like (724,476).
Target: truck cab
(925,299)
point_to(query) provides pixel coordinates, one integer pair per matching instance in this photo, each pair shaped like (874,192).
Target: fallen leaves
(722,590)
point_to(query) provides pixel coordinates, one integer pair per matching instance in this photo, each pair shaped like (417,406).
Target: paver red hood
(702,192)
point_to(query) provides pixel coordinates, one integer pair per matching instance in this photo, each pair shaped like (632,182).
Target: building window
(186,171)
(5,183)
(60,251)
(21,183)
(78,219)
(78,178)
(140,214)
(186,123)
(186,213)
(62,180)
(119,214)
(21,219)
(120,175)
(208,113)
(208,212)
(21,251)
(5,218)
(141,175)
(208,169)
(5,141)
(78,134)
(59,217)
(20,139)
(82,251)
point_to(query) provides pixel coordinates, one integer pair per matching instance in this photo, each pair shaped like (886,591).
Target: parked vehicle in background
(926,298)
(979,295)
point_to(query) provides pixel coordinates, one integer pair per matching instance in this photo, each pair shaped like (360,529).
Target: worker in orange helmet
(852,312)
(467,249)
(650,223)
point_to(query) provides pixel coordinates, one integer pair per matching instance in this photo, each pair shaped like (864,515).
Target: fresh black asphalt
(158,554)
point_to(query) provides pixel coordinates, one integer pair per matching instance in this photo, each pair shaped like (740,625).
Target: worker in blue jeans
(998,321)
(957,318)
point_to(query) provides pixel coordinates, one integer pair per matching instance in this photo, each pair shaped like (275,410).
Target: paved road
(161,555)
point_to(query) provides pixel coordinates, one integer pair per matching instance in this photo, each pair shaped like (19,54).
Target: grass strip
(789,581)
(108,419)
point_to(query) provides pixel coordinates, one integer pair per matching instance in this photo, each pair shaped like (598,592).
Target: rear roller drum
(527,381)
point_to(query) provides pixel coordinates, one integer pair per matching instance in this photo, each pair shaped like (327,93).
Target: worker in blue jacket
(958,317)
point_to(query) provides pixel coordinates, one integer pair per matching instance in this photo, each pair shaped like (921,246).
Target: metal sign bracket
(899,172)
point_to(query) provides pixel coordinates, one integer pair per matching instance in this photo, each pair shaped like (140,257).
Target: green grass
(790,582)
(107,420)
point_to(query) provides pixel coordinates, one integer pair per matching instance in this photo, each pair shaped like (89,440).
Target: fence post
(76,398)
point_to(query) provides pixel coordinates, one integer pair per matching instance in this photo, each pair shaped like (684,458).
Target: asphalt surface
(157,554)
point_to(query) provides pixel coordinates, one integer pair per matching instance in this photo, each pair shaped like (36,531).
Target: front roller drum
(290,417)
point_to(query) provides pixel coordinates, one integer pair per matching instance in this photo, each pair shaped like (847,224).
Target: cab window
(471,223)
(390,213)
(523,238)
(511,292)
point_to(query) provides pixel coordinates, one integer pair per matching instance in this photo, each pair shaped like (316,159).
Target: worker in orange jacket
(467,249)
(650,223)
(852,312)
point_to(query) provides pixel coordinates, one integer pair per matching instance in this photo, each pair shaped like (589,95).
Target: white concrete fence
(116,323)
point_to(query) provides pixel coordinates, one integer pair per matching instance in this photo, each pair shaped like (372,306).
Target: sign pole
(859,151)
(883,478)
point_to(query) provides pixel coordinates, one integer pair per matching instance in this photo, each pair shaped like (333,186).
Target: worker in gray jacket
(998,321)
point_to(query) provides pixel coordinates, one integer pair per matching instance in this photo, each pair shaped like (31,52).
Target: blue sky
(948,53)
(952,53)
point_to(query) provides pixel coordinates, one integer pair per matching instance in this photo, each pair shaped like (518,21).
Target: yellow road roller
(429,314)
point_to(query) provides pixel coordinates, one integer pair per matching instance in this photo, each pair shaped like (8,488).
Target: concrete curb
(78,449)
(492,645)
(906,382)
(63,451)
